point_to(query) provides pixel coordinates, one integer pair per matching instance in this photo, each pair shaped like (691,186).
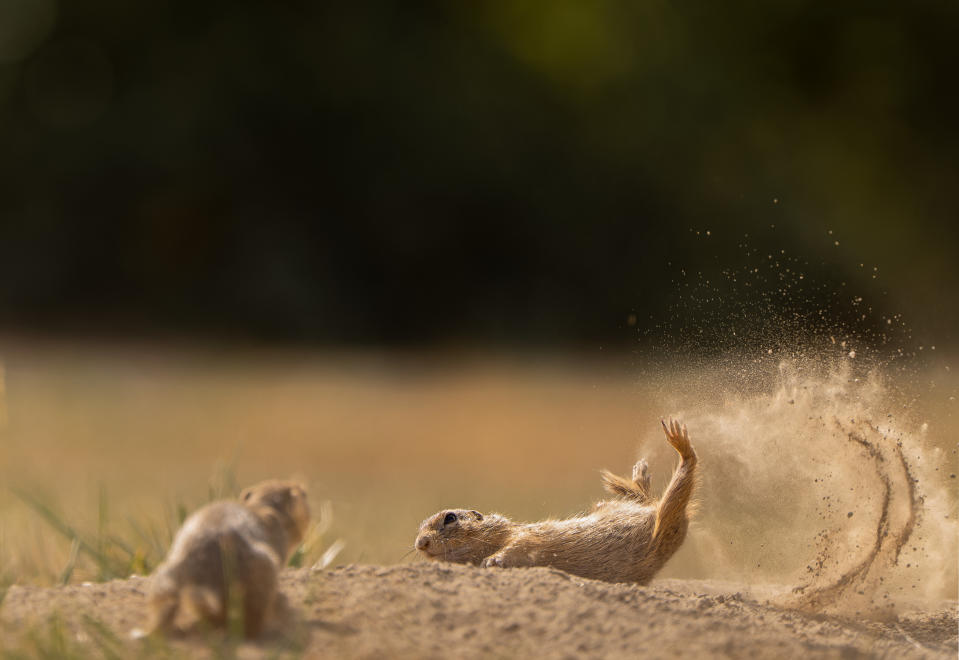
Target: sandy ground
(428,610)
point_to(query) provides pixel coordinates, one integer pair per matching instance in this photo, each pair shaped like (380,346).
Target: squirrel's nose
(422,542)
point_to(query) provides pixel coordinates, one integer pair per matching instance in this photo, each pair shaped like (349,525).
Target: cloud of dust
(818,484)
(812,483)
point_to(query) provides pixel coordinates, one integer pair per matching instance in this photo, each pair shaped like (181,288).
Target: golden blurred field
(114,438)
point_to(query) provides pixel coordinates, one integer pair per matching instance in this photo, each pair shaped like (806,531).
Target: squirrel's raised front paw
(493,561)
(678,437)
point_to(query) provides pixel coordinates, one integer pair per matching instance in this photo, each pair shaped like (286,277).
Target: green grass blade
(45,512)
(67,572)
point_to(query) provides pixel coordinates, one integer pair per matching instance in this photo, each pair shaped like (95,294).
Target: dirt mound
(442,610)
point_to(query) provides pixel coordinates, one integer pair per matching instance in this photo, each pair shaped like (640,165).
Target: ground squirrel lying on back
(231,552)
(626,539)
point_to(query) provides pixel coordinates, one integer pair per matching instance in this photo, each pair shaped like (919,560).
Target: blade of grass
(329,555)
(67,572)
(66,530)
(135,560)
(150,538)
(101,518)
(110,645)
(119,543)
(52,640)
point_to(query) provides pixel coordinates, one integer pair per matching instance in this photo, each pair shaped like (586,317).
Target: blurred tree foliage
(506,171)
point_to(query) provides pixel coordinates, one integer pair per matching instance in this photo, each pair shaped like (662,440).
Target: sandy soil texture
(428,610)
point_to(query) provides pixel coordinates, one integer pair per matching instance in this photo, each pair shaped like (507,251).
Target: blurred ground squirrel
(230,552)
(625,539)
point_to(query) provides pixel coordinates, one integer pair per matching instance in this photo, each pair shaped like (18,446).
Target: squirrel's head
(288,499)
(461,535)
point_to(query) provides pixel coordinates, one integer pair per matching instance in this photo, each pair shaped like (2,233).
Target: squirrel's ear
(479,516)
(245,495)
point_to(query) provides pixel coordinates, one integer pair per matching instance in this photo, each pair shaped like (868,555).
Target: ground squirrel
(625,539)
(230,552)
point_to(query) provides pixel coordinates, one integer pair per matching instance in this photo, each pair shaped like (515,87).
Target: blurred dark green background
(507,172)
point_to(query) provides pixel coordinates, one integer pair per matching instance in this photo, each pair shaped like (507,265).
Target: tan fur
(626,539)
(230,551)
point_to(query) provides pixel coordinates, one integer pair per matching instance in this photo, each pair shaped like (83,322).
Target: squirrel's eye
(450,518)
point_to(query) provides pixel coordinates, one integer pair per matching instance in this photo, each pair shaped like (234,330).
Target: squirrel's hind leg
(636,488)
(258,602)
(164,601)
(641,478)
